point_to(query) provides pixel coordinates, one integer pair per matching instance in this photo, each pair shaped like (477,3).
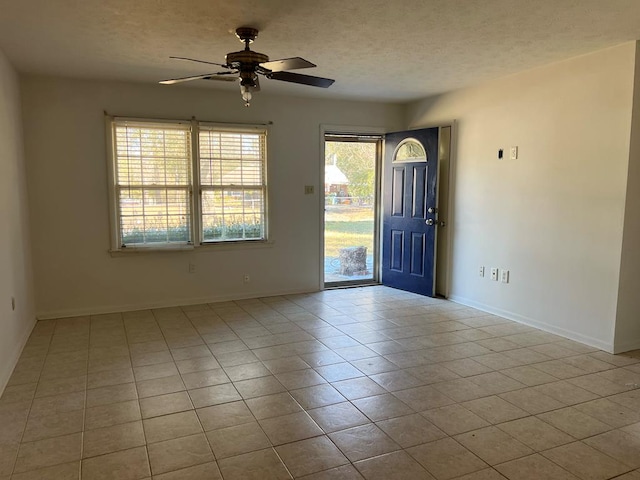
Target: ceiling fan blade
(302,79)
(187,79)
(201,61)
(287,64)
(221,79)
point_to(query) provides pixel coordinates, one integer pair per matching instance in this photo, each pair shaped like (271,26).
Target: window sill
(202,248)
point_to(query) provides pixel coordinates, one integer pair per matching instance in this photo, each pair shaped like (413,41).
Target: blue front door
(410,210)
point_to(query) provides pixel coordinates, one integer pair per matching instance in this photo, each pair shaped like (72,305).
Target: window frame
(195,190)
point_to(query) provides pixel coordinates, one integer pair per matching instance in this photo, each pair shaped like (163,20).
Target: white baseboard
(6,368)
(97,310)
(571,335)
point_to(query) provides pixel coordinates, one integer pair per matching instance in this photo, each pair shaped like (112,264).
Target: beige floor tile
(273,405)
(224,415)
(61,385)
(617,444)
(160,386)
(486,474)
(258,387)
(18,393)
(214,395)
(198,364)
(112,439)
(300,379)
(466,367)
(48,452)
(112,414)
(630,399)
(494,409)
(165,404)
(361,387)
(287,364)
(531,400)
(8,454)
(55,425)
(129,464)
(462,389)
(493,445)
(67,471)
(630,476)
(535,433)
(411,430)
(111,394)
(290,428)
(610,413)
(171,426)
(339,416)
(446,459)
(574,422)
(585,461)
(374,365)
(454,419)
(533,467)
(528,375)
(231,359)
(560,369)
(317,396)
(310,456)
(206,471)
(67,402)
(260,465)
(392,466)
(205,378)
(338,371)
(151,358)
(397,380)
(236,440)
(111,377)
(346,472)
(362,442)
(382,407)
(566,392)
(159,370)
(179,453)
(247,371)
(423,398)
(494,383)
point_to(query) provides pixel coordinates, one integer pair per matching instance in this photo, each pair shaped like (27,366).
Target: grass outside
(347,226)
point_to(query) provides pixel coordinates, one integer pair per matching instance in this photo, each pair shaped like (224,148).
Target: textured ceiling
(397,50)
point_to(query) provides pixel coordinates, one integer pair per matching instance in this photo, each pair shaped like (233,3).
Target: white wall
(15,257)
(66,165)
(627,336)
(554,217)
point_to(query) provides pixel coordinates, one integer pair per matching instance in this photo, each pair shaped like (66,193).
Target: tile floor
(368,383)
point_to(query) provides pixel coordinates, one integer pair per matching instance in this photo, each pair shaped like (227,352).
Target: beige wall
(627,336)
(15,256)
(554,217)
(65,148)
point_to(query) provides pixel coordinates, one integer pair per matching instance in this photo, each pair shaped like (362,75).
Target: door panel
(409,205)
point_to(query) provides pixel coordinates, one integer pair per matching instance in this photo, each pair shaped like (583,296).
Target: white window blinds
(232,183)
(152,182)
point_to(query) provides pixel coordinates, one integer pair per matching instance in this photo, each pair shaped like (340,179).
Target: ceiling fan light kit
(246,64)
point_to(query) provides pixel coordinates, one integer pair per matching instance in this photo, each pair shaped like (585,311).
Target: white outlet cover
(514,153)
(494,274)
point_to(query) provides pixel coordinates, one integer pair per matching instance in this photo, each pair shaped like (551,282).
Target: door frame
(347,130)
(447,261)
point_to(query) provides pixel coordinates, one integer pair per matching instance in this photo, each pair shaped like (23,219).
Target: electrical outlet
(504,276)
(514,153)
(481,271)
(246,278)
(308,189)
(192,268)
(494,274)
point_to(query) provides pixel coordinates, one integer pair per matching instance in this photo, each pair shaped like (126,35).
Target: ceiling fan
(247,64)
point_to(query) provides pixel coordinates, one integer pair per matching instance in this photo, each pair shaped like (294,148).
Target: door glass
(350,211)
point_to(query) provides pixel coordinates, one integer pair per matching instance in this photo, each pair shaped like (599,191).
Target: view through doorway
(351,209)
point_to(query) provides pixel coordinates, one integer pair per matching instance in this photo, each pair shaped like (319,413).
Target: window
(157,167)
